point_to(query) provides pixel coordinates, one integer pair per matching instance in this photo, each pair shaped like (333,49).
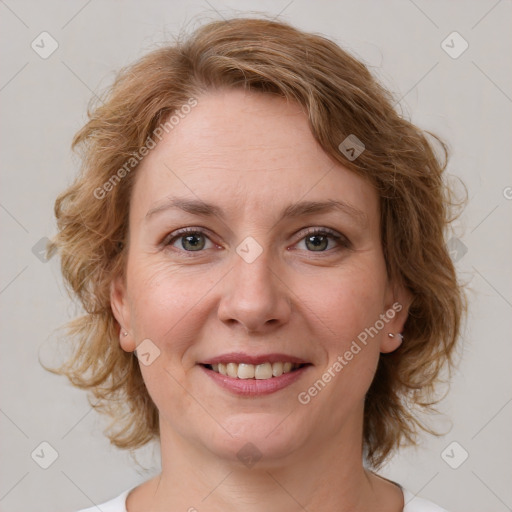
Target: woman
(257,224)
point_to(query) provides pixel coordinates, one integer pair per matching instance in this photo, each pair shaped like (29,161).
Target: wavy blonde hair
(340,97)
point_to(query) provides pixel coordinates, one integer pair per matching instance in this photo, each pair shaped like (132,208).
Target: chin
(258,437)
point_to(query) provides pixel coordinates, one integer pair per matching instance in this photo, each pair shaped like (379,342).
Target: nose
(254,296)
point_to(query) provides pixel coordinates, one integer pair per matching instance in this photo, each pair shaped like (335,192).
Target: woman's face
(251,283)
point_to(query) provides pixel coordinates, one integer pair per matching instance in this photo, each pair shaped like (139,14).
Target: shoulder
(117,504)
(415,504)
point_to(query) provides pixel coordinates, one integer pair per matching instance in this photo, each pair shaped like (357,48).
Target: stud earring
(125,333)
(391,335)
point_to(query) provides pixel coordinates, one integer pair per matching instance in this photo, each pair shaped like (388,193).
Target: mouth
(263,371)
(247,375)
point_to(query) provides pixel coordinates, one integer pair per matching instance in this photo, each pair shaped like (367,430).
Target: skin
(252,155)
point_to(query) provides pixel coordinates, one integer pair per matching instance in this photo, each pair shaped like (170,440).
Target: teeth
(250,371)
(263,371)
(232,369)
(277,369)
(245,371)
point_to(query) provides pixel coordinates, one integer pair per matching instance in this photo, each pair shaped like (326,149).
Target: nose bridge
(254,295)
(254,276)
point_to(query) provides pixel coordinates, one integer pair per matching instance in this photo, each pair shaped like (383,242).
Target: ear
(121,310)
(398,300)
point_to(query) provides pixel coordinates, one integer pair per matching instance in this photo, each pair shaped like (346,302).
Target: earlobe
(391,342)
(398,310)
(121,313)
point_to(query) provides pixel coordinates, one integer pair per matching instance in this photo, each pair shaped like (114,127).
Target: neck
(327,476)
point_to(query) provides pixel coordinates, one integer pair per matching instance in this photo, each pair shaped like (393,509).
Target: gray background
(466,100)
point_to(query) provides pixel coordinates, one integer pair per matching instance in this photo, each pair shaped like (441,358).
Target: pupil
(319,242)
(194,245)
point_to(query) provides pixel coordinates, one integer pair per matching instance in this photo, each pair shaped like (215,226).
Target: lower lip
(254,387)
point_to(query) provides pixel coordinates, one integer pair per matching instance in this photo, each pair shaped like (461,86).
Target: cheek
(165,302)
(351,354)
(347,302)
(166,308)
(348,309)
(354,309)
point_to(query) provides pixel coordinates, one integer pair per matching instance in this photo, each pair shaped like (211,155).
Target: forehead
(242,150)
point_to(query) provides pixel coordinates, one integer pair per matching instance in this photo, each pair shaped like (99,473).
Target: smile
(262,371)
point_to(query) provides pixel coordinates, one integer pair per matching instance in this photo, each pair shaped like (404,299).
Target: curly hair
(340,98)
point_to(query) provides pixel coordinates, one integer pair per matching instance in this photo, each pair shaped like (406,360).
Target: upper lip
(241,357)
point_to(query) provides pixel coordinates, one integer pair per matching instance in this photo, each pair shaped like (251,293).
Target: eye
(317,240)
(188,239)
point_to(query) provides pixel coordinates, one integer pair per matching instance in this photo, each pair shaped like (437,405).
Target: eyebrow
(304,208)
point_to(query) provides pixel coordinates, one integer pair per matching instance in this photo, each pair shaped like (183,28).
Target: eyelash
(340,240)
